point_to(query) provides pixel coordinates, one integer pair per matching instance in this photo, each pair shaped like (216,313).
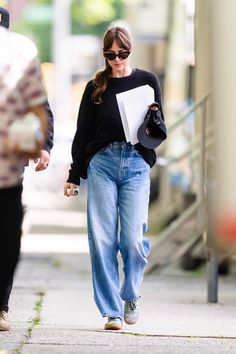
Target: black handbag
(152,132)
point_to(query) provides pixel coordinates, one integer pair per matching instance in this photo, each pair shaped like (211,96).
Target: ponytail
(100,83)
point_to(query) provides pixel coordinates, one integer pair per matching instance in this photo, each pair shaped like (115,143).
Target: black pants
(11,217)
(6,296)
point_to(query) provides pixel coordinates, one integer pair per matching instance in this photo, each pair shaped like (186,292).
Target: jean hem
(113,316)
(134,299)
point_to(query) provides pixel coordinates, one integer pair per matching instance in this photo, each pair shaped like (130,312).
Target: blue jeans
(118,197)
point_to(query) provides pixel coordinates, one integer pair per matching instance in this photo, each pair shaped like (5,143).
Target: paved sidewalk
(53,312)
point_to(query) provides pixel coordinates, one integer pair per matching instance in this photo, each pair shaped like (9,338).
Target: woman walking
(118,175)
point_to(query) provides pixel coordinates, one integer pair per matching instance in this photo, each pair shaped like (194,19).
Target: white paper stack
(133,105)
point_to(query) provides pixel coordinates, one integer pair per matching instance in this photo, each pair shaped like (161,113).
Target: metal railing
(197,149)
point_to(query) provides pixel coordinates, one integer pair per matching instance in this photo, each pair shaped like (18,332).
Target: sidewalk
(53,312)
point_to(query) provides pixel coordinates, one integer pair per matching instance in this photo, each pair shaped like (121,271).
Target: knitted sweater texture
(100,124)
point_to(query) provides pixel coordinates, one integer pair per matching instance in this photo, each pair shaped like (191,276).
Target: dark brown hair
(122,38)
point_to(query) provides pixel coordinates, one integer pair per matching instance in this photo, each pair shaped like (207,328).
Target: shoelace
(115,319)
(132,305)
(3,315)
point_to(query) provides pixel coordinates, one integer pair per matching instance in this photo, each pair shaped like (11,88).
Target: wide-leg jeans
(118,198)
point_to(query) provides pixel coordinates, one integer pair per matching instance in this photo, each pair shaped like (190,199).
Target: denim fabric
(118,197)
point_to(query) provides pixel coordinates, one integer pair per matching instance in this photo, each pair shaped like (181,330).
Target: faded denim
(118,197)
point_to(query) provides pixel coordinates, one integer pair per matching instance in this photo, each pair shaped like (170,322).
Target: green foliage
(40,34)
(87,17)
(93,16)
(36,22)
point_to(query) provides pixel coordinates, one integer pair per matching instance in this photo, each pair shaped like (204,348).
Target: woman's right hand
(70,189)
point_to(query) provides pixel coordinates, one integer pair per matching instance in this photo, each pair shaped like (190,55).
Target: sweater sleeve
(49,141)
(155,84)
(84,134)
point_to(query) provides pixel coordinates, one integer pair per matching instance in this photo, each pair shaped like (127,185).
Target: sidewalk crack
(33,322)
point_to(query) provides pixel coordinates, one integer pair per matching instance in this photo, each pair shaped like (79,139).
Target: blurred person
(118,183)
(43,160)
(41,164)
(21,91)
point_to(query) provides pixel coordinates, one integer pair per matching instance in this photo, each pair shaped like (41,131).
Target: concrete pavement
(52,307)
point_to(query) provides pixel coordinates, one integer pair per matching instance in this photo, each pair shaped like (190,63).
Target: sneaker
(113,323)
(4,321)
(131,311)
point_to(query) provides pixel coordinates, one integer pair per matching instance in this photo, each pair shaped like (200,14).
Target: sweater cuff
(73,178)
(47,146)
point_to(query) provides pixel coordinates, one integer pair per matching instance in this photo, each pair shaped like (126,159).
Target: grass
(34,321)
(56,263)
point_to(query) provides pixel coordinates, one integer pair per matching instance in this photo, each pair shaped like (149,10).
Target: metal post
(212,275)
(212,255)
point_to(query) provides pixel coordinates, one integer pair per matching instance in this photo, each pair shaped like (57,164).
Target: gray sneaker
(113,323)
(4,321)
(131,311)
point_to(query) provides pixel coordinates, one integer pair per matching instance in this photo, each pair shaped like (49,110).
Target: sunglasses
(112,56)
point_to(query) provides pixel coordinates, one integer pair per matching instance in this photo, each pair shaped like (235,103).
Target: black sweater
(49,140)
(100,124)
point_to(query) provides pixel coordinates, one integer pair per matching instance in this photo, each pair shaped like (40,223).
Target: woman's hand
(70,189)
